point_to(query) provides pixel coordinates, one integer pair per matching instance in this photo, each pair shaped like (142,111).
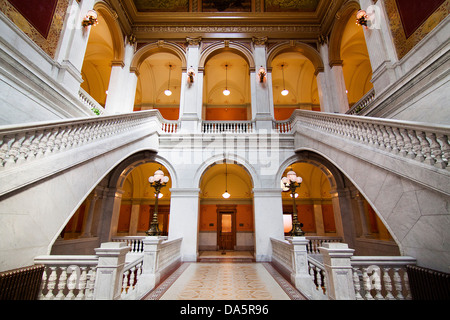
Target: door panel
(227,230)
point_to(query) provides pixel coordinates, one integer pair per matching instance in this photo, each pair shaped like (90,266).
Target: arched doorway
(226,70)
(329,204)
(293,72)
(226,224)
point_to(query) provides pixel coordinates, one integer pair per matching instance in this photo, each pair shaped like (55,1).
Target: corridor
(225,276)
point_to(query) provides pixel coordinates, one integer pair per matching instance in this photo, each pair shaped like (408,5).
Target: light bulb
(284,92)
(226,92)
(226,195)
(167,92)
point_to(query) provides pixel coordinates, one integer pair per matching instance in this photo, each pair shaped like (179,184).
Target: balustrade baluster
(82,284)
(367,285)
(71,285)
(445,149)
(416,145)
(61,283)
(398,284)
(425,148)
(387,284)
(12,151)
(51,284)
(90,283)
(436,151)
(357,284)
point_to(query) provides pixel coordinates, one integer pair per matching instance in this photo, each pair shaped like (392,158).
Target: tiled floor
(230,276)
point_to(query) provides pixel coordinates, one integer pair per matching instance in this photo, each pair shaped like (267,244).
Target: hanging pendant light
(226,92)
(284,92)
(226,195)
(168,92)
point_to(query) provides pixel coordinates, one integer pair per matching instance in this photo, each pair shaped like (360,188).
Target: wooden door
(226,233)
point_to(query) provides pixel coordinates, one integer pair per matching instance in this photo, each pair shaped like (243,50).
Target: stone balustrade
(362,103)
(90,102)
(24,143)
(411,140)
(381,278)
(112,273)
(316,241)
(227,127)
(325,274)
(69,277)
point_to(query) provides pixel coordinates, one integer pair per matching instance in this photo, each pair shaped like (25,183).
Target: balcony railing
(76,277)
(227,126)
(413,140)
(362,103)
(371,277)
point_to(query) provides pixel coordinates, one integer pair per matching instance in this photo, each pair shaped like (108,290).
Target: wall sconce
(362,18)
(191,75)
(262,74)
(90,19)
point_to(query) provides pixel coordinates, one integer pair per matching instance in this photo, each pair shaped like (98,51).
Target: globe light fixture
(90,19)
(226,92)
(226,195)
(167,92)
(289,184)
(284,92)
(157,181)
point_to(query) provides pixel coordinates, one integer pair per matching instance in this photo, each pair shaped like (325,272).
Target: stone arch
(114,27)
(309,52)
(219,159)
(334,176)
(224,46)
(155,47)
(342,17)
(119,173)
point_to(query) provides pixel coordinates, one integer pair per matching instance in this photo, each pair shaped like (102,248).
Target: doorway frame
(226,209)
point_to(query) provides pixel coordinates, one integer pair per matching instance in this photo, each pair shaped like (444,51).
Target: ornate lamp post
(157,181)
(290,183)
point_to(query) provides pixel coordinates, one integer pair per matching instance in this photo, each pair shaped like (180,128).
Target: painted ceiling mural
(225,5)
(162,5)
(291,5)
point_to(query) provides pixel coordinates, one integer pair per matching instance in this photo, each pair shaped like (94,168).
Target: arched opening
(329,204)
(313,201)
(139,200)
(100,52)
(159,72)
(122,204)
(294,72)
(226,69)
(226,224)
(356,62)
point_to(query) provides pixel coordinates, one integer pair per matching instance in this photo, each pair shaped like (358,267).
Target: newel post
(300,275)
(336,260)
(111,262)
(150,267)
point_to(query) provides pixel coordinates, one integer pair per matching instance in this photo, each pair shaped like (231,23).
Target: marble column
(122,84)
(191,91)
(331,84)
(90,216)
(318,218)
(268,217)
(343,215)
(134,218)
(380,46)
(261,101)
(184,220)
(72,46)
(110,214)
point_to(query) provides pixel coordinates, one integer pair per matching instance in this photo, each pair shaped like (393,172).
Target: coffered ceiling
(177,19)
